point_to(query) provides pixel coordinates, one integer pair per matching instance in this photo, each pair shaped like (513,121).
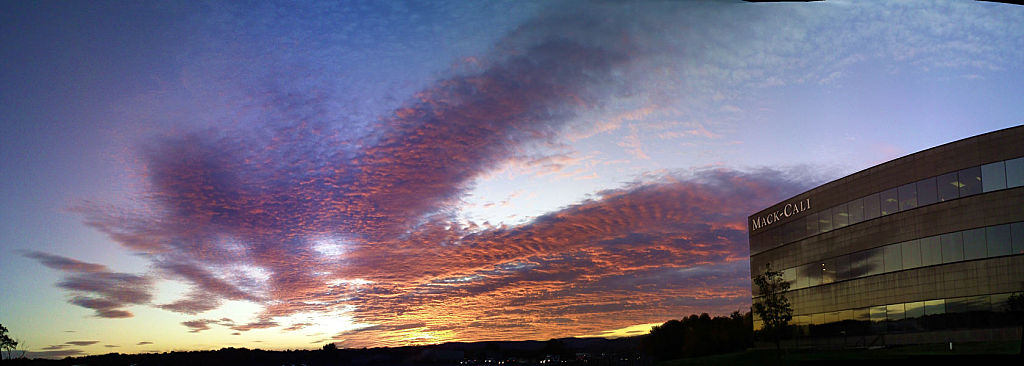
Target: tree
(772,305)
(7,343)
(330,347)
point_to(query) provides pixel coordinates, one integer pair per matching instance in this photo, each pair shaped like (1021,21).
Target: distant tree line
(700,335)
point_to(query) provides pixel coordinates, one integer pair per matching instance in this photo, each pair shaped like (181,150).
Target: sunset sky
(197,175)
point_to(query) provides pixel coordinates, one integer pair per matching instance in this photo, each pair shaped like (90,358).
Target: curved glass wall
(963,183)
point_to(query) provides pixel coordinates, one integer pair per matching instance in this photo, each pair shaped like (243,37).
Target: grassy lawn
(797,357)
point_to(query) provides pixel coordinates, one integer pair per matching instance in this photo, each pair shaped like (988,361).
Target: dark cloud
(55,354)
(195,303)
(65,264)
(82,343)
(93,286)
(143,343)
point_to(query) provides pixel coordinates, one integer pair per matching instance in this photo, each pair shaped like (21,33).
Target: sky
(281,175)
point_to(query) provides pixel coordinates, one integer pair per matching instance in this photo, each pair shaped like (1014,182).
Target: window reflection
(789,275)
(872,207)
(927,192)
(811,223)
(840,217)
(931,251)
(998,240)
(974,244)
(1017,235)
(979,303)
(935,307)
(993,177)
(949,188)
(970,181)
(878,313)
(894,312)
(1001,302)
(911,251)
(825,220)
(828,271)
(907,196)
(843,268)
(914,310)
(1015,173)
(952,247)
(956,305)
(889,202)
(856,210)
(892,257)
(873,262)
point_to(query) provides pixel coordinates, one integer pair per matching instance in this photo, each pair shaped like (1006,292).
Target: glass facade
(934,314)
(902,254)
(985,242)
(991,177)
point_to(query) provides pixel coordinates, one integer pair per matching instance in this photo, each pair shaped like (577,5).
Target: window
(979,303)
(952,247)
(812,224)
(828,271)
(889,201)
(949,188)
(1001,302)
(843,268)
(911,254)
(894,312)
(840,217)
(858,265)
(856,210)
(809,275)
(792,231)
(914,309)
(935,307)
(892,258)
(974,244)
(873,261)
(1015,173)
(908,196)
(818,319)
(825,221)
(871,207)
(861,315)
(931,251)
(993,177)
(789,275)
(998,238)
(1017,234)
(970,181)
(878,314)
(833,317)
(957,305)
(927,193)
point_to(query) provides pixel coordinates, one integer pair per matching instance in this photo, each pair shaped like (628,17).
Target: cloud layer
(296,214)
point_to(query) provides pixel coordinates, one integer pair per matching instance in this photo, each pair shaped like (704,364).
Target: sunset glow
(181,177)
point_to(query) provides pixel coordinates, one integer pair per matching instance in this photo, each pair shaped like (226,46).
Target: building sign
(788,210)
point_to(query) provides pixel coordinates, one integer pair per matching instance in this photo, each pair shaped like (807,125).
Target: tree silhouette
(773,307)
(7,343)
(330,347)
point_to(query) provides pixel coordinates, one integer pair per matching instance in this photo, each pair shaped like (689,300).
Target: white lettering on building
(788,210)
